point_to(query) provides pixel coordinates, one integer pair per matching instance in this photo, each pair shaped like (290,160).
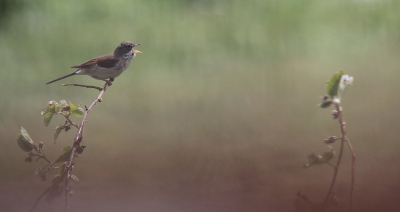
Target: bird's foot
(109,82)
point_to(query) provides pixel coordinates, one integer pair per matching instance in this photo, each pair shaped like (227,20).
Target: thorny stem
(353,160)
(336,168)
(77,141)
(70,162)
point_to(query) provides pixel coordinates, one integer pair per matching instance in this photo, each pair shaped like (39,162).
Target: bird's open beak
(134,51)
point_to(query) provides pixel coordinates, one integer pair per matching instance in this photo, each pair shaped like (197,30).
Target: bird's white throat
(128,56)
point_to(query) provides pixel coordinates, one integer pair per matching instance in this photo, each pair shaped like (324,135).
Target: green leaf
(58,130)
(66,155)
(26,135)
(61,106)
(317,159)
(56,179)
(63,103)
(325,104)
(47,119)
(48,112)
(79,149)
(61,169)
(76,110)
(333,84)
(24,141)
(327,156)
(66,149)
(57,107)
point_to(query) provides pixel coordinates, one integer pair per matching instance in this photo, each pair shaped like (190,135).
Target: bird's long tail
(63,77)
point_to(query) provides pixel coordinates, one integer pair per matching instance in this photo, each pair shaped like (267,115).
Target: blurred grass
(221,107)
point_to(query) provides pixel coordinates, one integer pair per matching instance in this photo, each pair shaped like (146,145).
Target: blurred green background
(218,113)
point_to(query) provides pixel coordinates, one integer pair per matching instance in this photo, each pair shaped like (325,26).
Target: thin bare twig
(86,86)
(68,120)
(41,156)
(44,157)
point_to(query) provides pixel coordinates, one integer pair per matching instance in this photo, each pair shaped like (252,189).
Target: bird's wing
(105,61)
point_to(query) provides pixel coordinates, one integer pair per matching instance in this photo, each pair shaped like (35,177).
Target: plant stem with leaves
(335,89)
(61,181)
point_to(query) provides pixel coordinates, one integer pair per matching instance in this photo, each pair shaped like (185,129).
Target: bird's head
(125,48)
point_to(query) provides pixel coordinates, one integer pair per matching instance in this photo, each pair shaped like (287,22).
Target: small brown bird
(108,66)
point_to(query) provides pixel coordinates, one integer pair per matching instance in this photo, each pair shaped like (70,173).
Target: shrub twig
(335,89)
(60,182)
(86,86)
(77,141)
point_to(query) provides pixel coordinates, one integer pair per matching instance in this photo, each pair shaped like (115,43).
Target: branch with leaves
(61,180)
(336,86)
